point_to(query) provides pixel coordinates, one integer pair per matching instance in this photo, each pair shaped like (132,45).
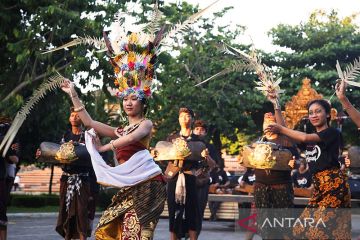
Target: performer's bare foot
(192,235)
(173,236)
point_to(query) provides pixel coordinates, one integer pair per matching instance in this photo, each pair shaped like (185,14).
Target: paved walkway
(41,227)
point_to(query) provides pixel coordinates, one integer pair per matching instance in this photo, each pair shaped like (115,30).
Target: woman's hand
(292,163)
(68,87)
(273,128)
(340,89)
(97,143)
(347,161)
(272,97)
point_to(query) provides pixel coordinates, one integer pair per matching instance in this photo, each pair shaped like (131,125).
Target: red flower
(131,65)
(147,91)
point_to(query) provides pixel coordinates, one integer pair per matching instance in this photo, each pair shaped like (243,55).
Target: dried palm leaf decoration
(352,71)
(249,62)
(53,83)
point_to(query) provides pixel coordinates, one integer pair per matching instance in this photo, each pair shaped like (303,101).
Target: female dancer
(136,208)
(331,189)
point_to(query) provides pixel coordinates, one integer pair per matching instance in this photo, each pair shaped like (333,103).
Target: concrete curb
(42,214)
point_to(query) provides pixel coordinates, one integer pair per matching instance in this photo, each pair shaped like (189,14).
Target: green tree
(30,27)
(226,103)
(312,49)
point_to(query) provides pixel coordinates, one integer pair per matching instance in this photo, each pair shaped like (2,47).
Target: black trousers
(183,218)
(202,194)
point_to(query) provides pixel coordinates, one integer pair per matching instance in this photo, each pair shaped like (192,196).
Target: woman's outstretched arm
(293,134)
(142,131)
(101,128)
(348,107)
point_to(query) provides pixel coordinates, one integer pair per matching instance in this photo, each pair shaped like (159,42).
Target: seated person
(302,177)
(219,182)
(247,178)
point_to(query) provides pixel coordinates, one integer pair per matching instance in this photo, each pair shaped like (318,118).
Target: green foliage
(105,196)
(234,146)
(312,49)
(230,105)
(30,27)
(34,201)
(226,104)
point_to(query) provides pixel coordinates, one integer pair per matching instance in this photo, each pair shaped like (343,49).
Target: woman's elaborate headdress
(133,52)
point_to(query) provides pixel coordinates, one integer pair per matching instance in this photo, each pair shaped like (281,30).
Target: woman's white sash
(140,167)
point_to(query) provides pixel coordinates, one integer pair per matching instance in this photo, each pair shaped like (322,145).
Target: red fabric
(124,153)
(159,178)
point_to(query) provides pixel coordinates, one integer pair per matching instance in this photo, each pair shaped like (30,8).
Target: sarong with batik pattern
(269,199)
(73,218)
(133,213)
(330,203)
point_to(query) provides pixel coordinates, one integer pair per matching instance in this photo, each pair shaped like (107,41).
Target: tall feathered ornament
(133,49)
(53,83)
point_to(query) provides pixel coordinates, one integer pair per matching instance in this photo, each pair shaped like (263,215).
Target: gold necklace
(131,128)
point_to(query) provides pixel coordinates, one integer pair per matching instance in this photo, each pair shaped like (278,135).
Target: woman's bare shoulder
(148,123)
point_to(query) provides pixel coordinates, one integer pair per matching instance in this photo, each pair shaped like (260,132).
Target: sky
(259,16)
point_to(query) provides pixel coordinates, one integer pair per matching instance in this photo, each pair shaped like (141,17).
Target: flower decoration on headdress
(250,62)
(133,50)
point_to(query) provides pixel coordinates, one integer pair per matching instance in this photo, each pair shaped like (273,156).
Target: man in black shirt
(78,189)
(248,177)
(184,218)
